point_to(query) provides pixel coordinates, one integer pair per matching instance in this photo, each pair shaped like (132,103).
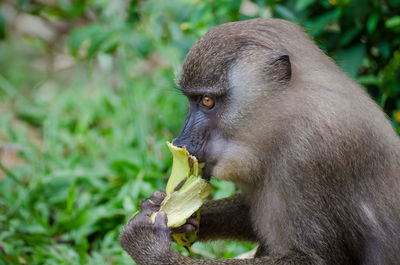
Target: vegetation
(88,100)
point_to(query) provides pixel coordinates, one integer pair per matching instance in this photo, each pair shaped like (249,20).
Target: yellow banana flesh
(185,193)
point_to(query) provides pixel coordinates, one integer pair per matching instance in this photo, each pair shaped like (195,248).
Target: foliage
(83,141)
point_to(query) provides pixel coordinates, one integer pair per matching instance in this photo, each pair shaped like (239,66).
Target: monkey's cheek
(236,166)
(224,171)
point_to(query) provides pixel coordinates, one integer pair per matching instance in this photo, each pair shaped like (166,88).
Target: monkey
(316,160)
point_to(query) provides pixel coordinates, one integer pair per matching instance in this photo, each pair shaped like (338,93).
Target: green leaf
(349,35)
(395,2)
(368,80)
(316,26)
(350,59)
(285,13)
(393,22)
(303,4)
(2,27)
(6,86)
(71,199)
(384,48)
(390,69)
(94,36)
(372,22)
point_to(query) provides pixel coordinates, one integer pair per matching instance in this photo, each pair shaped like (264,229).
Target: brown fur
(317,161)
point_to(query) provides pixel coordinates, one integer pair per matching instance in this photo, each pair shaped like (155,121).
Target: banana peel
(185,193)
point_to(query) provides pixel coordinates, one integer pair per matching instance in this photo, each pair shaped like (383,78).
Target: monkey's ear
(281,68)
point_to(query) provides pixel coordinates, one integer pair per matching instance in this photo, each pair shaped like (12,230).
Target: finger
(186,229)
(149,206)
(161,220)
(157,197)
(193,221)
(133,216)
(143,218)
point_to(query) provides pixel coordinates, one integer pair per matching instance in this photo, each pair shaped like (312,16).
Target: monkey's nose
(177,142)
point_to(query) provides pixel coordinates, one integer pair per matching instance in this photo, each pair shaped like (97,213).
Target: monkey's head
(233,78)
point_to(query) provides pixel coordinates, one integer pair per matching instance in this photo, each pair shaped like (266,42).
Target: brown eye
(207,102)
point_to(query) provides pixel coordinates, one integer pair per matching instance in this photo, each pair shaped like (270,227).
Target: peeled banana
(185,193)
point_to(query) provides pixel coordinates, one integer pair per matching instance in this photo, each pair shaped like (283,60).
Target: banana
(185,193)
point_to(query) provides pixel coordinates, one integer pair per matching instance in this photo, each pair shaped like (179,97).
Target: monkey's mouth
(210,161)
(207,171)
(206,174)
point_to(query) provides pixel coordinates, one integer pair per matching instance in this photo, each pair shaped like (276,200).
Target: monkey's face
(201,133)
(227,128)
(233,88)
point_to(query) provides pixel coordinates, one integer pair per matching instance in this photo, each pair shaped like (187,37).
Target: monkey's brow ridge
(198,91)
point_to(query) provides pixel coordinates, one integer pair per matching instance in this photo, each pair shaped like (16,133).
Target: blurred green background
(88,99)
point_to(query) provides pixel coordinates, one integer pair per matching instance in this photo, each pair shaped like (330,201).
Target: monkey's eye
(208,102)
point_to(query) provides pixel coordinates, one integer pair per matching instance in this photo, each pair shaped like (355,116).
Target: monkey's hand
(191,226)
(145,242)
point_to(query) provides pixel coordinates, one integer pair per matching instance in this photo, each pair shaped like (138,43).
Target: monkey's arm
(149,243)
(226,219)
